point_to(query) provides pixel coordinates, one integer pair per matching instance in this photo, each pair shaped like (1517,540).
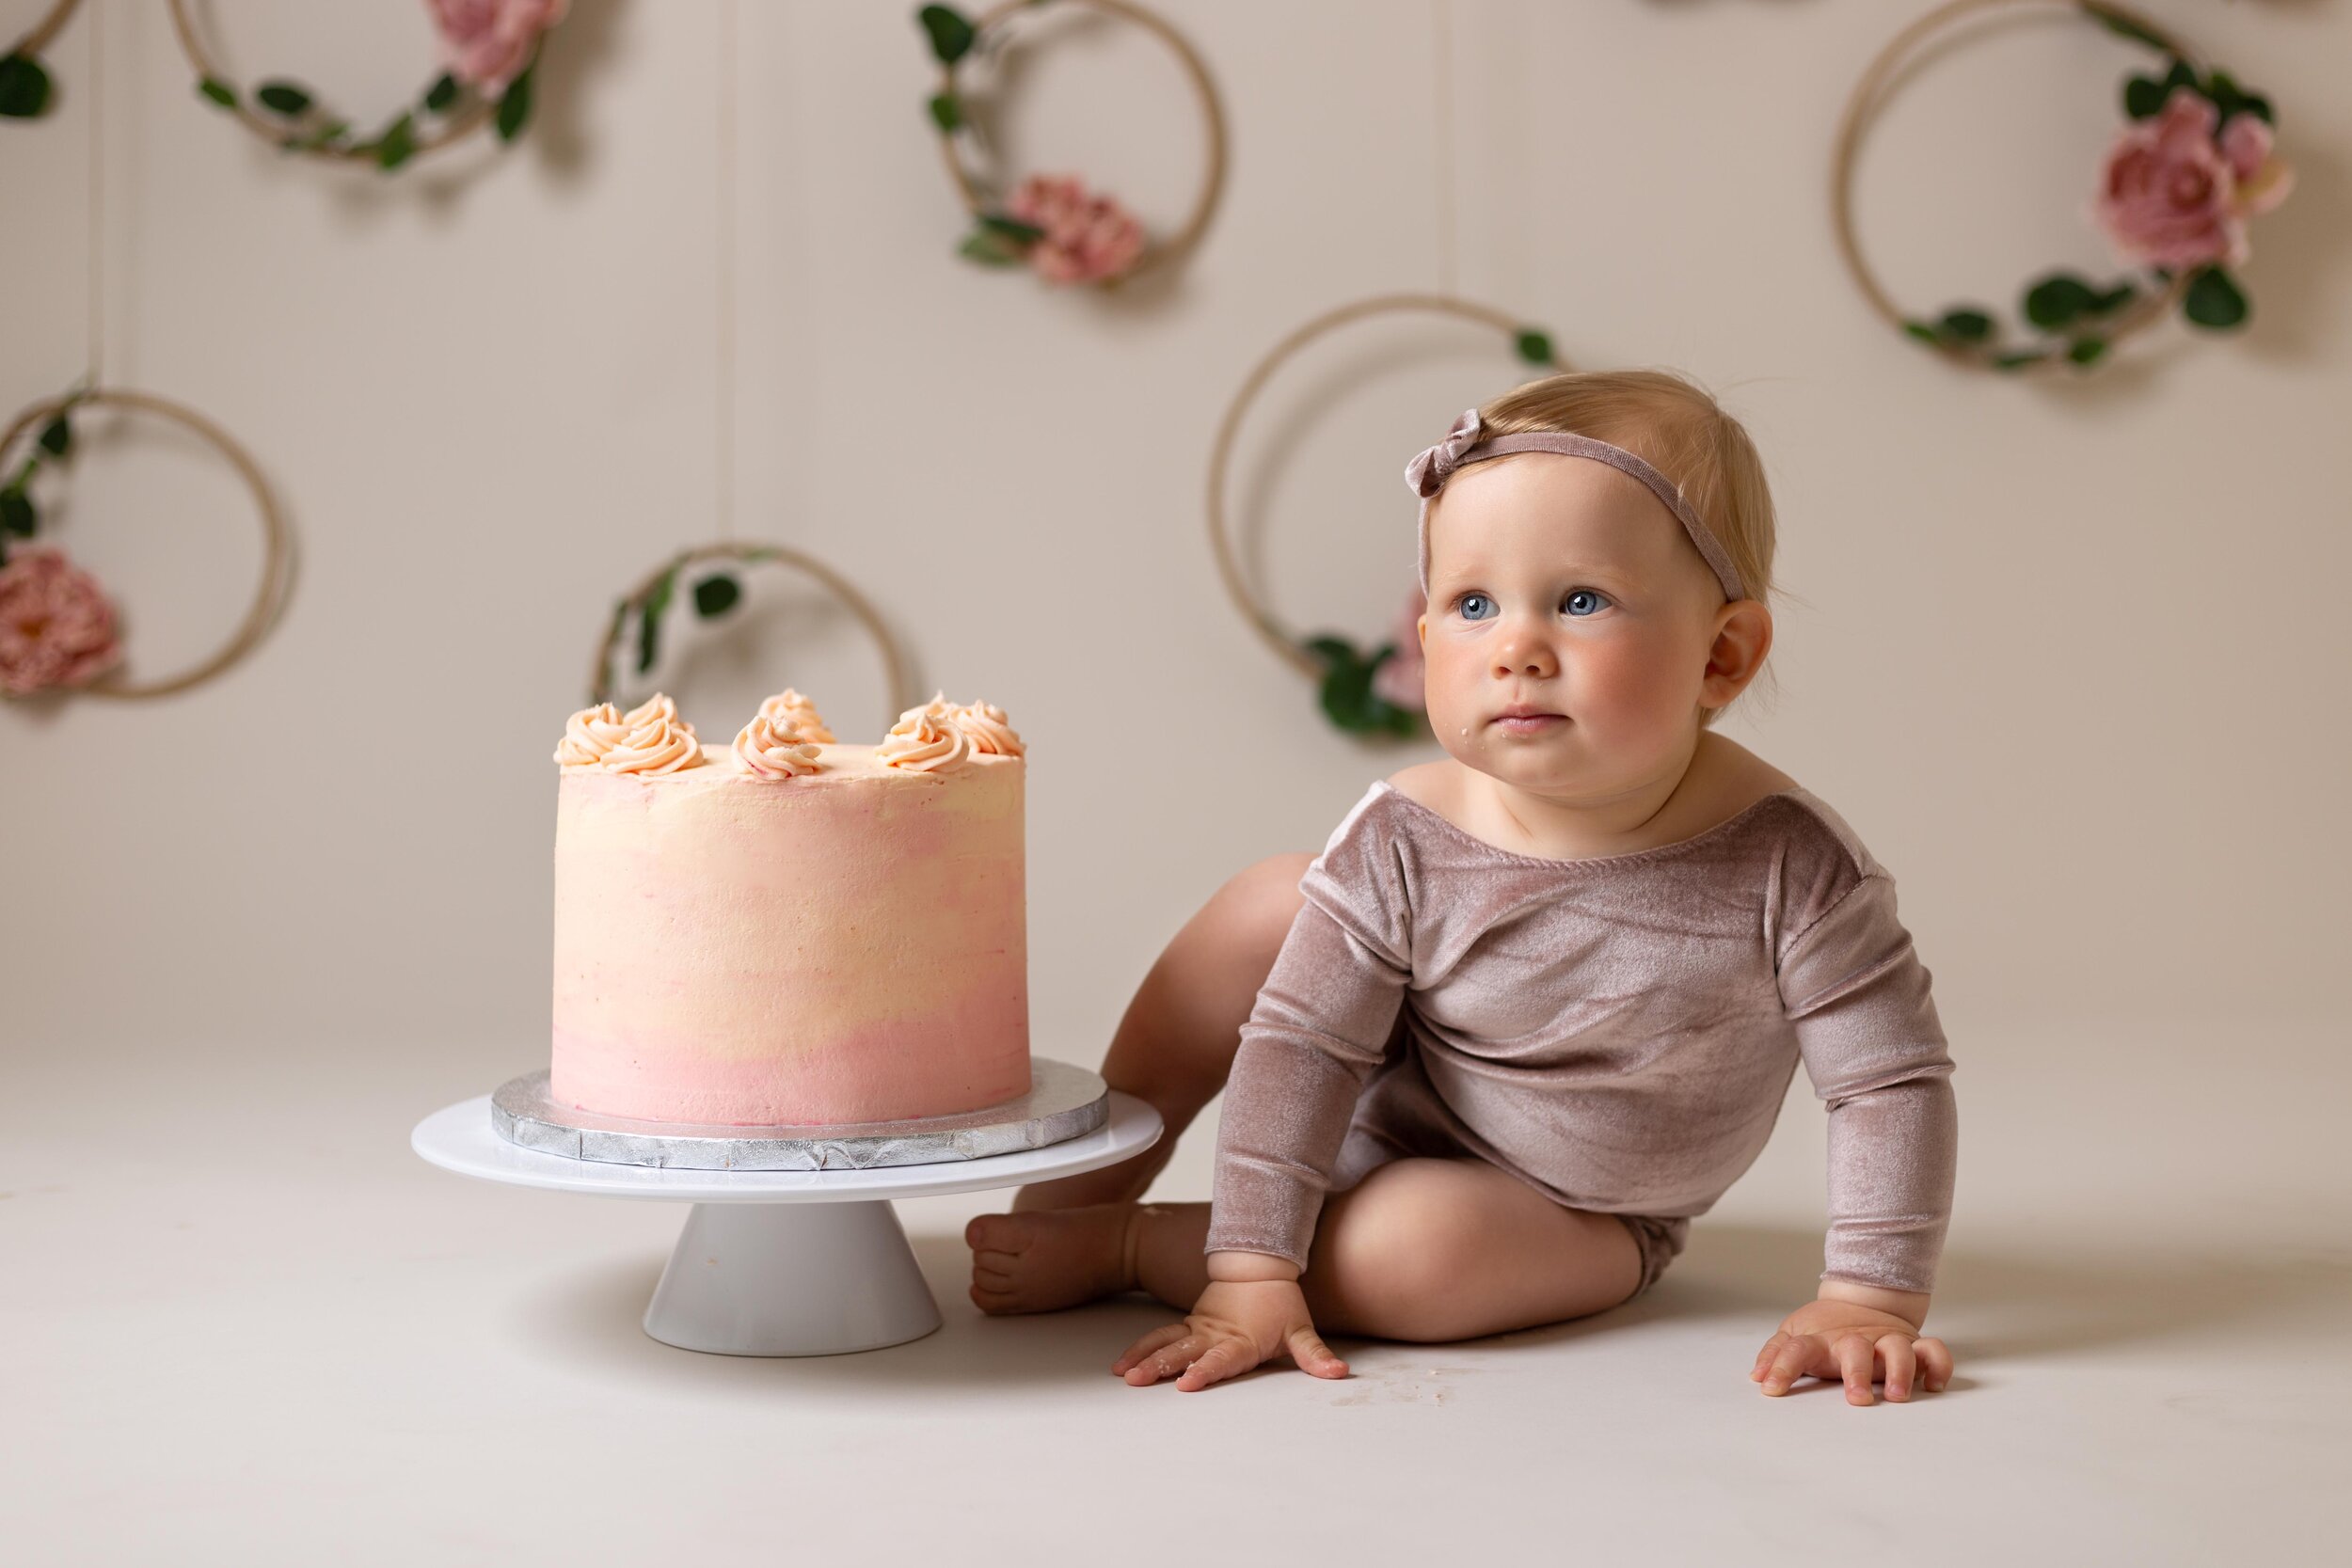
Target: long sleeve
(1323,1022)
(1868,1033)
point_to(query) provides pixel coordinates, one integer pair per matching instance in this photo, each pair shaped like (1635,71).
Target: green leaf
(2018,360)
(715,595)
(327,135)
(282,98)
(2123,26)
(1925,332)
(442,94)
(2214,300)
(2114,299)
(515,105)
(218,91)
(1347,694)
(2183,74)
(57,437)
(397,145)
(1011,228)
(597,692)
(1966,325)
(23,87)
(951,36)
(2231,99)
(990,250)
(945,112)
(2087,351)
(1533,346)
(649,620)
(17,516)
(2058,298)
(2143,97)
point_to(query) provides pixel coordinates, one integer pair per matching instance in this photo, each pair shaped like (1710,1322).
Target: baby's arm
(1322,1023)
(1872,1046)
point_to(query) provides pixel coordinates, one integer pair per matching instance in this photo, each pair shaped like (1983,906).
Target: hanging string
(724,357)
(96,315)
(1442,56)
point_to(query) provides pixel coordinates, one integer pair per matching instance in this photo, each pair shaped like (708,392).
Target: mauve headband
(1426,475)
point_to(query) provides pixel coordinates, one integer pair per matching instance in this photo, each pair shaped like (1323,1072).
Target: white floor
(239,1322)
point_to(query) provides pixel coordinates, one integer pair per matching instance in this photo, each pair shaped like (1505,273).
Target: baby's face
(1568,627)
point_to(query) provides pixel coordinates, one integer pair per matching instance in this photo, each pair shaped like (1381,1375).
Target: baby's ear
(1743,636)
(1420,629)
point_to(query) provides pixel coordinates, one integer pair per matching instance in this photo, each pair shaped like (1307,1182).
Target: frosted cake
(789,930)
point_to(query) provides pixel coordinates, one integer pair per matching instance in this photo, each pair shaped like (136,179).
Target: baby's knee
(1395,1260)
(1264,898)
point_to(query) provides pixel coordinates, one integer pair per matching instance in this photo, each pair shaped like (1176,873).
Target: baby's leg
(1176,1044)
(1423,1250)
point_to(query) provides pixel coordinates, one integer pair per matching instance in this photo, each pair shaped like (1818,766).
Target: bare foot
(1047,1259)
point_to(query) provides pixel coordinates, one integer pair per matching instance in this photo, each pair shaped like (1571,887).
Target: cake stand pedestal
(782,1262)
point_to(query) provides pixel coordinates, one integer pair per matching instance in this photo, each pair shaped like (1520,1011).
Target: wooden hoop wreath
(24,80)
(1533,348)
(655,591)
(948,118)
(390,149)
(276,557)
(1966,336)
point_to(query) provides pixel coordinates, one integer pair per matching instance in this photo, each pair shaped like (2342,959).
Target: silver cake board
(1063,1103)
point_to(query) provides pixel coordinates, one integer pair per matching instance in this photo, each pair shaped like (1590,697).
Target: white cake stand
(782,1262)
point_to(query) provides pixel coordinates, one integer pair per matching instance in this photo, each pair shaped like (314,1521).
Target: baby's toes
(1008,1234)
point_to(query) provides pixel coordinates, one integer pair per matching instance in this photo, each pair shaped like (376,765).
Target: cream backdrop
(2067,656)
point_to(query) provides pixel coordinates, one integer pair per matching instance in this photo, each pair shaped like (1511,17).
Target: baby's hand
(1235,1325)
(1832,1338)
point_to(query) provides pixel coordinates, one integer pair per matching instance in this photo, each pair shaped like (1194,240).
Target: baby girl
(1537,1004)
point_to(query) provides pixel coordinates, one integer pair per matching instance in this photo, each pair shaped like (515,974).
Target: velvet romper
(1618,1033)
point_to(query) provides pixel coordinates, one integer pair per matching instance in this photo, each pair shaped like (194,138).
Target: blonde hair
(1676,427)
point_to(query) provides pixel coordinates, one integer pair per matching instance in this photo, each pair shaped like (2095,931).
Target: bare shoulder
(1727,778)
(1435,784)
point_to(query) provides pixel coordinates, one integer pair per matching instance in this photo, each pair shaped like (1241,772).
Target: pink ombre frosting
(848,947)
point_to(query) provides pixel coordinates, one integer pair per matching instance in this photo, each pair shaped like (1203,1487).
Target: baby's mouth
(1527,719)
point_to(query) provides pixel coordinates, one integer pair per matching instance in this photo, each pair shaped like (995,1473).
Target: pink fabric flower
(1088,239)
(56,627)
(486,43)
(1402,678)
(2174,195)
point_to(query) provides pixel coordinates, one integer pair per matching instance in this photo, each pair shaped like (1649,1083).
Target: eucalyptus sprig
(20,518)
(307,127)
(715,595)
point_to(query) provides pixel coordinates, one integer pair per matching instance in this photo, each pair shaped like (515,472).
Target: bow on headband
(1429,469)
(1427,473)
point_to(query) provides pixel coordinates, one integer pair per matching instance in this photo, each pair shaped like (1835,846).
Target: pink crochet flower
(1088,239)
(1402,678)
(56,627)
(486,43)
(2174,195)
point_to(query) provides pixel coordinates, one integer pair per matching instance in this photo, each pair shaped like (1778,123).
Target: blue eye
(1584,601)
(1474,607)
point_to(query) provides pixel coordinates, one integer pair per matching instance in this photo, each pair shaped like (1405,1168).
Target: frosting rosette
(924,742)
(789,706)
(986,726)
(648,738)
(772,749)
